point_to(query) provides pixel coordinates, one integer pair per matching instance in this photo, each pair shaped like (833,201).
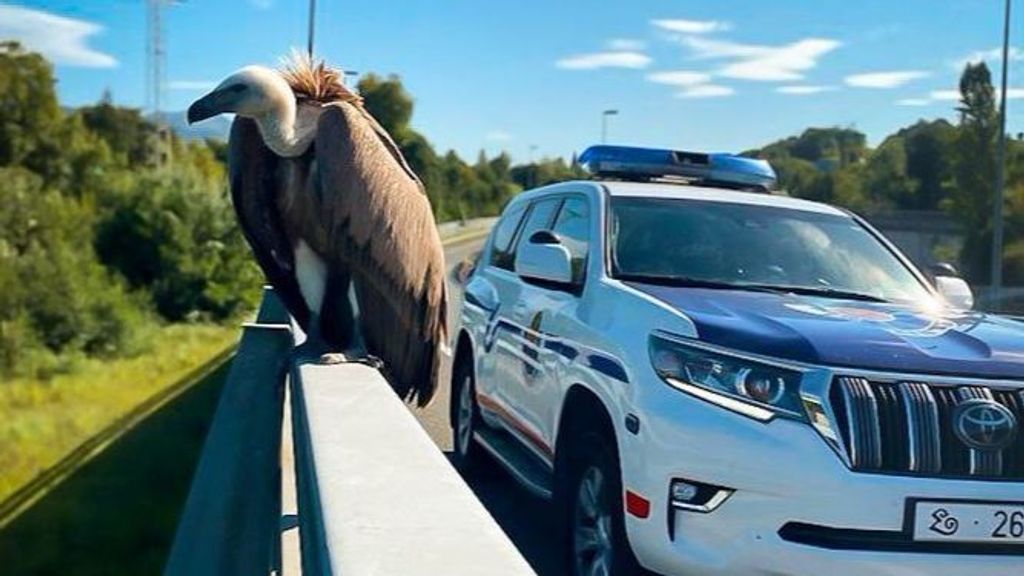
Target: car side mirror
(943,269)
(544,258)
(956,292)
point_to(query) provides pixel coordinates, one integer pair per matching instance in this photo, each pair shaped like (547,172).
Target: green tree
(974,169)
(929,151)
(387,100)
(54,291)
(885,174)
(29,113)
(131,137)
(175,236)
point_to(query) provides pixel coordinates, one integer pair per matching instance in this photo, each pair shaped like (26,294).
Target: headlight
(756,389)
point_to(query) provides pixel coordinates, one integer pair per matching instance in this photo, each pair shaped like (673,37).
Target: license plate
(990,523)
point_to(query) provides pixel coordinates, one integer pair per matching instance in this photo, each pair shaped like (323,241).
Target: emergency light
(632,163)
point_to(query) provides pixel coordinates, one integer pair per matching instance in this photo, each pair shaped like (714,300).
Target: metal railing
(375,495)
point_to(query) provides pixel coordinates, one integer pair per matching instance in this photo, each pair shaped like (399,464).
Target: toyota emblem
(984,425)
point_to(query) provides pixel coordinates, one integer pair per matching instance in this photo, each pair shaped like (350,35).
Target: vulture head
(265,96)
(284,104)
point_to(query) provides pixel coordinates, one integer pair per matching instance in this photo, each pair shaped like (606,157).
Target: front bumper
(796,508)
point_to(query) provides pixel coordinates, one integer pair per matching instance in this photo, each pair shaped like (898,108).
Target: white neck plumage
(289,129)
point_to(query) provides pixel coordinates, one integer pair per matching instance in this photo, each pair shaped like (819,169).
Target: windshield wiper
(826,292)
(688,282)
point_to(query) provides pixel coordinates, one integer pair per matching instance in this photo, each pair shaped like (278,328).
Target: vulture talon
(332,358)
(371,361)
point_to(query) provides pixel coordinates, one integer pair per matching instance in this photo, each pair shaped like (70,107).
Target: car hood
(867,335)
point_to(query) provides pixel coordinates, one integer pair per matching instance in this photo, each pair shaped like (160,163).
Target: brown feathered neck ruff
(313,81)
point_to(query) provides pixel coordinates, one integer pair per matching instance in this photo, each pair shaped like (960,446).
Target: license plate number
(963,522)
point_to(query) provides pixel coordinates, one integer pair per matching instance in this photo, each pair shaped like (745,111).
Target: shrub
(54,293)
(175,236)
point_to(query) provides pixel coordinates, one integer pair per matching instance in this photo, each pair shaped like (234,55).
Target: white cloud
(992,55)
(944,95)
(762,63)
(62,40)
(1011,94)
(705,91)
(626,44)
(691,26)
(803,90)
(953,96)
(498,136)
(913,102)
(884,80)
(196,85)
(613,59)
(679,78)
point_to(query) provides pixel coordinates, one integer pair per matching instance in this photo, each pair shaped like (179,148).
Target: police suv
(707,378)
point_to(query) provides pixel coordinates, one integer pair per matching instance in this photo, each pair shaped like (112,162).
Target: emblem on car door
(532,344)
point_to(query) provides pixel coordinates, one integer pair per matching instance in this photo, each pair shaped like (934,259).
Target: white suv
(709,380)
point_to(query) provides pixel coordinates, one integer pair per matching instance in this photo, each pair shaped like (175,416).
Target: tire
(595,525)
(467,456)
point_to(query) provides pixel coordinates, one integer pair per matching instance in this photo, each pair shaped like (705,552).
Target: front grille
(908,428)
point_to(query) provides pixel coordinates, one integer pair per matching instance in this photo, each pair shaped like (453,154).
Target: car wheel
(597,539)
(465,418)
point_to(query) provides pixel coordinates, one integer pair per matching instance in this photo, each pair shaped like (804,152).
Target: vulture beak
(214,103)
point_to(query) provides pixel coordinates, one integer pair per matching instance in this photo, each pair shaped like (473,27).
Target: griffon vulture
(325,198)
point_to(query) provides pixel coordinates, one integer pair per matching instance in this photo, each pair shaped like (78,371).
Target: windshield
(719,244)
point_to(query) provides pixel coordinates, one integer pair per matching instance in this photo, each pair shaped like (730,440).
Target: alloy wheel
(593,547)
(464,419)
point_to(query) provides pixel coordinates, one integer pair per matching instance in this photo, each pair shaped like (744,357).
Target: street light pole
(604,124)
(997,211)
(312,27)
(350,74)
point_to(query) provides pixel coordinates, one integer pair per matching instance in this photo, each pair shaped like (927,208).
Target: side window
(573,228)
(540,217)
(501,249)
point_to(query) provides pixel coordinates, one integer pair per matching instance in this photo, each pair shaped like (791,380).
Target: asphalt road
(527,520)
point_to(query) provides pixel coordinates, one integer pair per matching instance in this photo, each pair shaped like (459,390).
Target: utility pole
(604,124)
(156,56)
(997,211)
(532,180)
(312,27)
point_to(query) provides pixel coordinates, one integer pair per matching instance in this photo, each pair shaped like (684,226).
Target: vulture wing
(254,184)
(380,225)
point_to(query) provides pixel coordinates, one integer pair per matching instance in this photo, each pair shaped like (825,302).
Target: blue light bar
(631,163)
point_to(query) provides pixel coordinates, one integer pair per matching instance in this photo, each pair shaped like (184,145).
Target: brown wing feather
(391,146)
(381,226)
(254,185)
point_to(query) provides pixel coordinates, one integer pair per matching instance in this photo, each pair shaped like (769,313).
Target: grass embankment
(42,422)
(117,512)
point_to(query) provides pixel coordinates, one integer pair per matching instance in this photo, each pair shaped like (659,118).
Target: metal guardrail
(231,520)
(375,495)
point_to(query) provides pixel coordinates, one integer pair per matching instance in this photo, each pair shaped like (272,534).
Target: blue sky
(722,75)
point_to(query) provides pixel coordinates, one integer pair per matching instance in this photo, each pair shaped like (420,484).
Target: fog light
(684,491)
(696,496)
(687,496)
